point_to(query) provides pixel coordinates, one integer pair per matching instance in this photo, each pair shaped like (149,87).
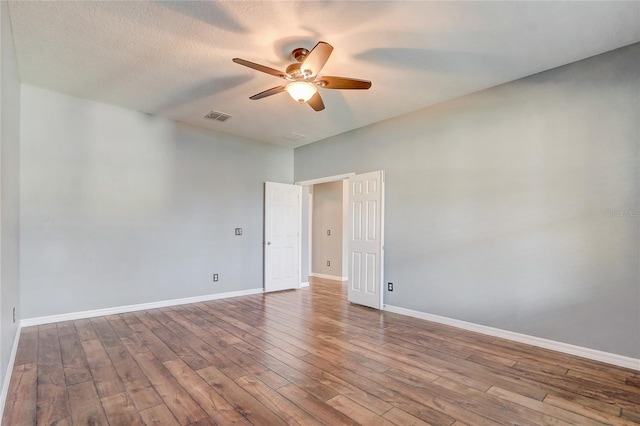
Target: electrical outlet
(328,263)
(328,231)
(14,315)
(390,286)
(215,278)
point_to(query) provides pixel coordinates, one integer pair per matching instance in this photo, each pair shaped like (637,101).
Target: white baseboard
(609,358)
(304,284)
(328,277)
(130,308)
(7,376)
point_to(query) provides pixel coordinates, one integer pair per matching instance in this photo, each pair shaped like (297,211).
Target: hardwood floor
(303,357)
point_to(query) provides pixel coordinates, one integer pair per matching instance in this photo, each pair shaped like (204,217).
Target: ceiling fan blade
(343,83)
(315,60)
(259,67)
(316,102)
(272,91)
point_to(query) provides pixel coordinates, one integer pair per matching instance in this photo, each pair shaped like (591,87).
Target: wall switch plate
(328,263)
(390,286)
(215,278)
(238,231)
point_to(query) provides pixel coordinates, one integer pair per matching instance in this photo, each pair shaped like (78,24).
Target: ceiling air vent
(293,136)
(217,116)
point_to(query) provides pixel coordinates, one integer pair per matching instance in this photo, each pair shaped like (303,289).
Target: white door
(282,212)
(366,240)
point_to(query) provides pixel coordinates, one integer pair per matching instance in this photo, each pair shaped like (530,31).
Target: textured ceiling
(173,59)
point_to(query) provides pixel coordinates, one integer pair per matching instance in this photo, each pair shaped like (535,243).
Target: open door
(282,212)
(366,240)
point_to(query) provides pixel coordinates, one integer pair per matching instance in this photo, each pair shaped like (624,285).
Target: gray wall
(9,189)
(497,203)
(120,208)
(327,215)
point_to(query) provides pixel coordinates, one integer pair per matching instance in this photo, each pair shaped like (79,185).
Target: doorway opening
(325,211)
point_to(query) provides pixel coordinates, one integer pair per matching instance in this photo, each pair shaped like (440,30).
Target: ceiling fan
(302,76)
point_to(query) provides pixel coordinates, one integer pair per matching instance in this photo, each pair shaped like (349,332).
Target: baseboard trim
(131,308)
(7,377)
(328,277)
(593,354)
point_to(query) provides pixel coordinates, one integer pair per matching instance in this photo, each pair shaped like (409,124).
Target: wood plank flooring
(303,357)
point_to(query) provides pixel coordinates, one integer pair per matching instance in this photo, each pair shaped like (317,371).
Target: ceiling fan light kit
(301,91)
(303,76)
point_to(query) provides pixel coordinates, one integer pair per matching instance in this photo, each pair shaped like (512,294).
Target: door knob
(268,243)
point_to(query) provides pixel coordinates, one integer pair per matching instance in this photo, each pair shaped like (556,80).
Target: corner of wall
(9,199)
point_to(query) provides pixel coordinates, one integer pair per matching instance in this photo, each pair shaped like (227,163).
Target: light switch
(238,231)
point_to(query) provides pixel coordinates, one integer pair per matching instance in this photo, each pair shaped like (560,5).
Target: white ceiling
(173,59)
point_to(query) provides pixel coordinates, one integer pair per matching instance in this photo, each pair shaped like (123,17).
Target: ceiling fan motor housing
(293,70)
